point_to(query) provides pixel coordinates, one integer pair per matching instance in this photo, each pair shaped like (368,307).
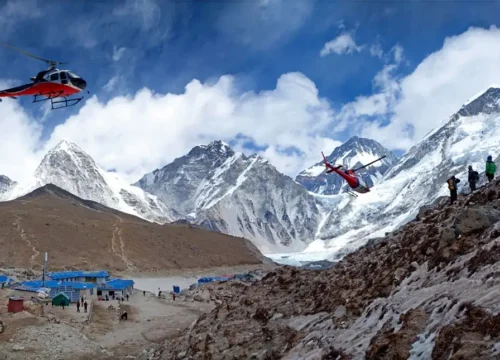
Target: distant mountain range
(245,196)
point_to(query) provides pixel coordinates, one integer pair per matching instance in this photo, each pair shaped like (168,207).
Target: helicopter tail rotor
(51,63)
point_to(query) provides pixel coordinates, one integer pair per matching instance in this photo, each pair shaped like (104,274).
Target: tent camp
(60,299)
(5,281)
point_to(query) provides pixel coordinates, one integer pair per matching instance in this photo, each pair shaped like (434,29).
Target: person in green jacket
(490,168)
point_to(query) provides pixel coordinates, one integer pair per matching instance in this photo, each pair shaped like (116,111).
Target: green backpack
(490,168)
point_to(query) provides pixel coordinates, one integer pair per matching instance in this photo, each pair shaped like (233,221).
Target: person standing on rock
(473,178)
(452,186)
(490,168)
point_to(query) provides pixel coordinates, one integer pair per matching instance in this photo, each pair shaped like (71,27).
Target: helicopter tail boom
(329,166)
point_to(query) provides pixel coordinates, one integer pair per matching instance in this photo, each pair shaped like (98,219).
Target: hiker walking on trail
(473,178)
(452,185)
(78,306)
(490,168)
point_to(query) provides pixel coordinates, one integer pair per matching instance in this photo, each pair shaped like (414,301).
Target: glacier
(417,179)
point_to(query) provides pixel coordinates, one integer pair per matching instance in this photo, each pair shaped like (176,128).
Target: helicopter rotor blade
(374,161)
(50,62)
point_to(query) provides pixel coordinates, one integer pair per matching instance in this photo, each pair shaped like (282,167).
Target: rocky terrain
(84,234)
(427,291)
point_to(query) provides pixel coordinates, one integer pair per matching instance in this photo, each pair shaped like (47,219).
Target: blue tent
(209,279)
(79,275)
(5,281)
(116,285)
(70,288)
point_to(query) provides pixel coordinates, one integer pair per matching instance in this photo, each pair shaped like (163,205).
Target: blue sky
(120,47)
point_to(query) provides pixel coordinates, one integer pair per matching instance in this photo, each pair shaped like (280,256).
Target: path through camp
(149,320)
(67,335)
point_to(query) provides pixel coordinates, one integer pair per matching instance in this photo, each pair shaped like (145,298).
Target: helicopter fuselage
(354,182)
(51,83)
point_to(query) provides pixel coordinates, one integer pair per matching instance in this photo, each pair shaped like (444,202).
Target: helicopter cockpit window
(64,77)
(73,75)
(54,76)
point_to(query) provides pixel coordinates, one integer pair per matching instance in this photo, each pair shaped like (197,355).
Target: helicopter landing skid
(57,94)
(352,194)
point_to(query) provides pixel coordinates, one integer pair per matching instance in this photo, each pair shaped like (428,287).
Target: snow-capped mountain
(419,177)
(352,154)
(242,196)
(218,188)
(192,181)
(72,169)
(6,184)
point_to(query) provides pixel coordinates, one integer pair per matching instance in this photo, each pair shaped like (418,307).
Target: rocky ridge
(427,291)
(226,191)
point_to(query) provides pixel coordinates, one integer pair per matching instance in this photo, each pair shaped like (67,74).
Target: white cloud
(342,44)
(113,83)
(465,65)
(404,110)
(377,51)
(118,53)
(19,139)
(398,53)
(137,134)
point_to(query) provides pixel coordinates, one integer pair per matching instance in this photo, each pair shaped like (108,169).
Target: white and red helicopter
(356,183)
(51,84)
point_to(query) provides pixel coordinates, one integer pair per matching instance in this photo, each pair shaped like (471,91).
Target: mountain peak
(66,145)
(64,156)
(352,139)
(487,102)
(215,149)
(354,152)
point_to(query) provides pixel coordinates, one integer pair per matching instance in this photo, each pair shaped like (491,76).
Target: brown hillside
(79,233)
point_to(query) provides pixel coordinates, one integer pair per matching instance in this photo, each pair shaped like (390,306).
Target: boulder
(423,211)
(476,219)
(340,312)
(446,237)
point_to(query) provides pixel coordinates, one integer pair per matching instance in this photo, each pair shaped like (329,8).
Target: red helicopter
(51,84)
(356,183)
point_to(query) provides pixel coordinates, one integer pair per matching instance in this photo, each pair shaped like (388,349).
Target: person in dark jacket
(452,185)
(473,178)
(490,168)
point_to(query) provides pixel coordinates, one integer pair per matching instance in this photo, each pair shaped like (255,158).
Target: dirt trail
(19,227)
(117,235)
